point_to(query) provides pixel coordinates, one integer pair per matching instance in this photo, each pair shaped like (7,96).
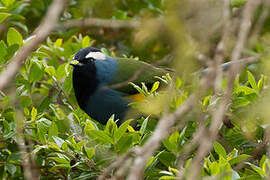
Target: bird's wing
(130,70)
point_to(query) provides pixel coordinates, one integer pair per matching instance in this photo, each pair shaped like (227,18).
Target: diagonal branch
(161,131)
(39,35)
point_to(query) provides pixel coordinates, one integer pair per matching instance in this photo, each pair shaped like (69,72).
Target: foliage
(64,143)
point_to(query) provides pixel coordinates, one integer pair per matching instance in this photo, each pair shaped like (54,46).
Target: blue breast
(105,102)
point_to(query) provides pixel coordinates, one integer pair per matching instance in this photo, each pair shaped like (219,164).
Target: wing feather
(135,71)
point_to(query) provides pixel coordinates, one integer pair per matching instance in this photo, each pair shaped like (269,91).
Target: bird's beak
(75,63)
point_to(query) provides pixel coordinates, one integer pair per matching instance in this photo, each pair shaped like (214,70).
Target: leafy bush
(40,121)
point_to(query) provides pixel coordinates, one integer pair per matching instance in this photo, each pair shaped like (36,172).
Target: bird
(94,74)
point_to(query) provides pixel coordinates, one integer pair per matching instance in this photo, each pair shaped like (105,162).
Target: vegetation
(44,134)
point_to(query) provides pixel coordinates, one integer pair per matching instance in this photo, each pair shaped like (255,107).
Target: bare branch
(161,131)
(120,160)
(240,62)
(222,45)
(259,25)
(97,22)
(39,35)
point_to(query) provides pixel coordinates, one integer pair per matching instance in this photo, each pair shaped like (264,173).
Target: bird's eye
(90,59)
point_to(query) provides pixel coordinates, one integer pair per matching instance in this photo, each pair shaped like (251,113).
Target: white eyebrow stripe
(96,55)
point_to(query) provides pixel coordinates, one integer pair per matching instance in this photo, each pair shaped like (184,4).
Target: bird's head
(86,56)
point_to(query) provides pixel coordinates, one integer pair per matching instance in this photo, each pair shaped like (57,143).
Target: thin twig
(222,45)
(240,62)
(259,25)
(97,22)
(39,35)
(119,161)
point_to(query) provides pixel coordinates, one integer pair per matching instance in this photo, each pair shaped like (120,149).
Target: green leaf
(33,114)
(257,169)
(61,72)
(167,177)
(8,3)
(261,82)
(58,43)
(86,175)
(244,89)
(25,101)
(262,160)
(14,37)
(171,143)
(6,127)
(121,130)
(66,166)
(3,16)
(10,168)
(59,141)
(167,158)
(88,127)
(219,149)
(101,136)
(124,143)
(50,70)
(36,73)
(174,138)
(111,126)
(144,125)
(53,130)
(67,87)
(252,81)
(206,101)
(178,83)
(59,160)
(90,152)
(85,41)
(145,89)
(3,49)
(140,90)
(42,132)
(238,159)
(11,51)
(237,3)
(154,87)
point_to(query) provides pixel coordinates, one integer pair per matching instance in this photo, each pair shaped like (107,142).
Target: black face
(84,76)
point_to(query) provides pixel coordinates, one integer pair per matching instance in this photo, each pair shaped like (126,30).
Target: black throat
(84,84)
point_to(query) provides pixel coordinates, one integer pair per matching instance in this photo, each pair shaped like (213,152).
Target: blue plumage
(106,102)
(91,76)
(106,69)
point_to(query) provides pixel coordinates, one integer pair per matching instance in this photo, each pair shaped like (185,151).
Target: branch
(161,131)
(116,164)
(39,35)
(97,22)
(259,25)
(218,115)
(240,62)
(222,45)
